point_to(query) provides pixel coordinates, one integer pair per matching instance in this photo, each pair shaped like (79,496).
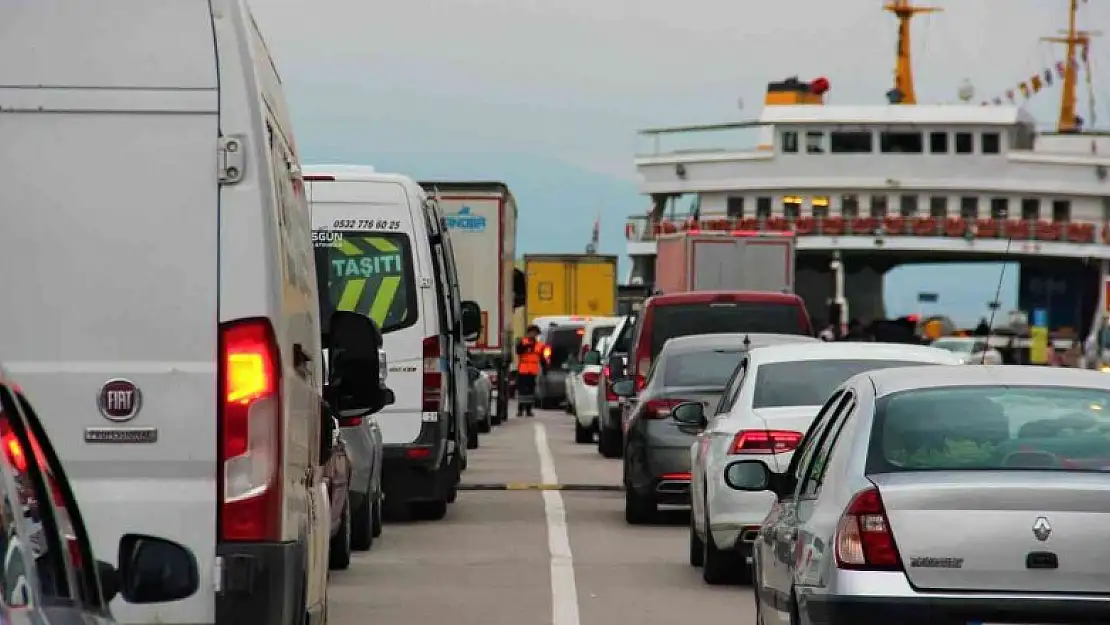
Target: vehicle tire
(376,520)
(569,408)
(609,442)
(582,435)
(362,525)
(339,553)
(396,510)
(429,510)
(697,549)
(718,567)
(639,510)
(485,427)
(472,437)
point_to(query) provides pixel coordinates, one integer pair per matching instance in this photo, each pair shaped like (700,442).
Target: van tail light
(433,375)
(14,452)
(250,491)
(590,378)
(607,373)
(660,408)
(765,442)
(863,537)
(641,382)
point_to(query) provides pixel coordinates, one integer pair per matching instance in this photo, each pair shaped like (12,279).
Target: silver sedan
(942,495)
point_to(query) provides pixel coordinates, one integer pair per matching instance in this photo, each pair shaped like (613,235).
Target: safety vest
(530,360)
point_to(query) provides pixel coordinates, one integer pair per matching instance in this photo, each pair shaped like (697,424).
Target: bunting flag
(1024,89)
(1048,77)
(1037,82)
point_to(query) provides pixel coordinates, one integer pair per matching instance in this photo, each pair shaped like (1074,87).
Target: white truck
(482,218)
(725,261)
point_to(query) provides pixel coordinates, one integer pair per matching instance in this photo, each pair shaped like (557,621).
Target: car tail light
(863,537)
(641,382)
(590,378)
(433,375)
(606,373)
(250,433)
(14,451)
(765,441)
(660,408)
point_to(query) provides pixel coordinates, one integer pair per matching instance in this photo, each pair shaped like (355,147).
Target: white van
(378,253)
(160,300)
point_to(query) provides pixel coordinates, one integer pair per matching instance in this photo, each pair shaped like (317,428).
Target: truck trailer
(725,261)
(582,285)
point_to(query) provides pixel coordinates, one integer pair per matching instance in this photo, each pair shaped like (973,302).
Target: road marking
(564,590)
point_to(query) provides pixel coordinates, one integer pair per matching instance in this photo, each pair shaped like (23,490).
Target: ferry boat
(866,188)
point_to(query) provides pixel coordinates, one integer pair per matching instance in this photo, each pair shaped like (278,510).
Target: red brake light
(580,331)
(547,353)
(863,536)
(641,382)
(590,378)
(433,375)
(660,408)
(609,394)
(250,433)
(14,451)
(765,441)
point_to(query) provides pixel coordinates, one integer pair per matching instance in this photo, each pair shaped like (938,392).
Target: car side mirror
(592,358)
(689,413)
(471,320)
(624,388)
(354,384)
(749,475)
(151,570)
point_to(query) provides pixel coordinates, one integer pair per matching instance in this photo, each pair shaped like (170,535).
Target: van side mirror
(151,570)
(625,387)
(471,320)
(354,373)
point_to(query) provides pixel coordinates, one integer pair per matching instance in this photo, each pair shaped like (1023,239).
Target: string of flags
(1034,84)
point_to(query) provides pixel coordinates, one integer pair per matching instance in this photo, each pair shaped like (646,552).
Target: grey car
(942,495)
(362,439)
(656,446)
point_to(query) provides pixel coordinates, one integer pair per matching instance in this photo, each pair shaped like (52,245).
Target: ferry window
(815,142)
(938,142)
(849,205)
(1061,210)
(901,142)
(907,206)
(791,207)
(763,207)
(790,141)
(938,207)
(1030,208)
(821,206)
(878,206)
(964,143)
(1000,208)
(850,142)
(734,207)
(991,143)
(969,207)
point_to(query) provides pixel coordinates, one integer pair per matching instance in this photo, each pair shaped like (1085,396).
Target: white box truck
(725,261)
(481,216)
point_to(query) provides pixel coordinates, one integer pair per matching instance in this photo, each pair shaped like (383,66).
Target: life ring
(719,225)
(1080,233)
(832,226)
(749,223)
(1049,231)
(955,227)
(925,227)
(894,225)
(803,225)
(1020,229)
(863,225)
(986,228)
(775,224)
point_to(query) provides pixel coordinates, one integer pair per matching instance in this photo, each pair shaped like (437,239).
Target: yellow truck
(569,284)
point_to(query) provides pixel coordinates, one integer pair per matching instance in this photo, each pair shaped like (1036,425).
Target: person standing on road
(529,351)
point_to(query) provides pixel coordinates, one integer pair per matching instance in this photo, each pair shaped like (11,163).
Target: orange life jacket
(530,360)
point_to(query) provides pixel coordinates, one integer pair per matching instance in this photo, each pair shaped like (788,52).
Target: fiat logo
(119,400)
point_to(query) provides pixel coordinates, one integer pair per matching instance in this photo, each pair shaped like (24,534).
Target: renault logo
(1041,529)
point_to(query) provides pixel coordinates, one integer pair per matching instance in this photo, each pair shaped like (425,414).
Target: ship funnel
(793,91)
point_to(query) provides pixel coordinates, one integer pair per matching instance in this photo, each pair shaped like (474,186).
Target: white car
(583,393)
(971,350)
(768,404)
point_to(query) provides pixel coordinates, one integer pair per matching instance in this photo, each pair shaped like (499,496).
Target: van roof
(489,186)
(699,297)
(351,173)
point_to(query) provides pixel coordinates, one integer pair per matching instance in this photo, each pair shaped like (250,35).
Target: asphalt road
(491,562)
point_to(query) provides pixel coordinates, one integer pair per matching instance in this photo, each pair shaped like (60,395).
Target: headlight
(1104,368)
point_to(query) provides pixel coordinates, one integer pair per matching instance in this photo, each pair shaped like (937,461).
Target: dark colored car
(609,405)
(51,575)
(565,342)
(362,443)
(337,474)
(656,446)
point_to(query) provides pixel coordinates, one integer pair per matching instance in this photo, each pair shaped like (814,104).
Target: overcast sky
(548,95)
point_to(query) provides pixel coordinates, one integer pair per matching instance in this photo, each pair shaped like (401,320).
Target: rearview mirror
(690,413)
(355,380)
(471,320)
(152,570)
(624,388)
(748,475)
(592,358)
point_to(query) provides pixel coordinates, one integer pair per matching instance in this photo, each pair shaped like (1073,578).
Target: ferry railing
(700,139)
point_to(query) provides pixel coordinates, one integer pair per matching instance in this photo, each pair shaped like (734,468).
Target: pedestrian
(529,351)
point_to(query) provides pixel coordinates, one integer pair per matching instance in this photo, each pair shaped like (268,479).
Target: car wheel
(376,527)
(472,437)
(582,435)
(362,525)
(697,549)
(609,443)
(639,509)
(484,426)
(339,554)
(429,510)
(569,407)
(718,567)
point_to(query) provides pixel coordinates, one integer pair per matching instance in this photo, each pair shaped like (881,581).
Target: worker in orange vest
(530,357)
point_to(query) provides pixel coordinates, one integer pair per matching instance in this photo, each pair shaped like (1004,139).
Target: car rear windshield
(624,339)
(564,342)
(675,320)
(708,368)
(367,273)
(809,382)
(599,333)
(992,428)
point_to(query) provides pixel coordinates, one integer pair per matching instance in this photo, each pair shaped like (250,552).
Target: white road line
(564,590)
